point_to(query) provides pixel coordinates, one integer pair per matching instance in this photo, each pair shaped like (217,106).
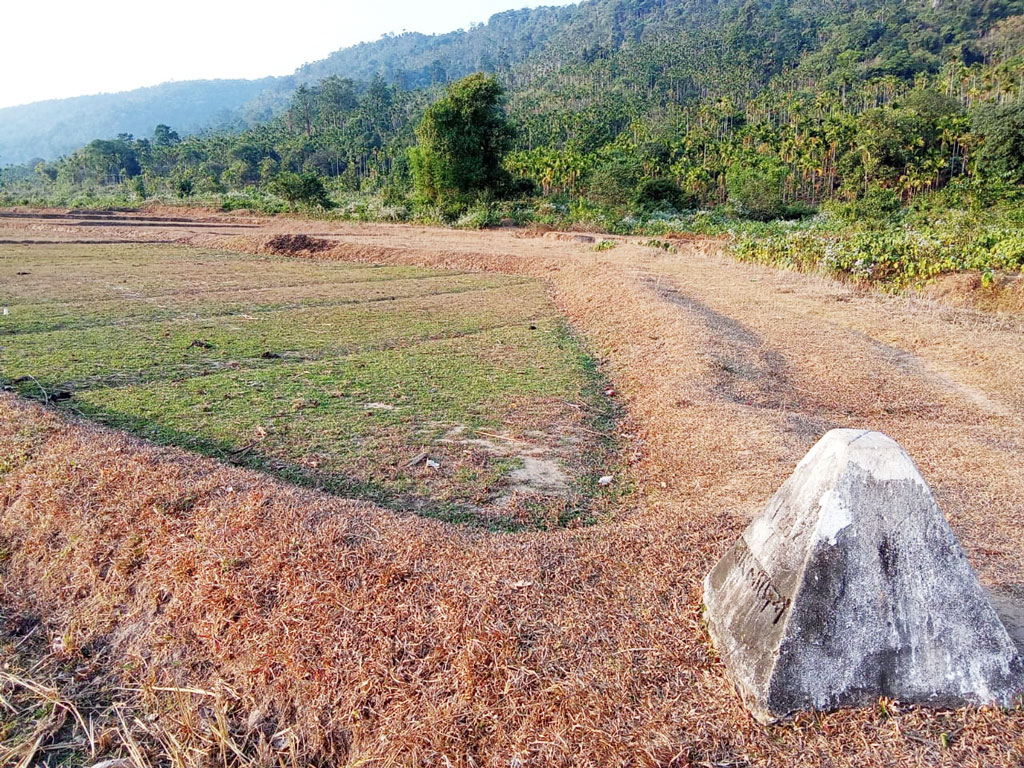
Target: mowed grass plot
(453,394)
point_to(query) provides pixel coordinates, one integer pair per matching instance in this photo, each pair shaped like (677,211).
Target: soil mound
(290,245)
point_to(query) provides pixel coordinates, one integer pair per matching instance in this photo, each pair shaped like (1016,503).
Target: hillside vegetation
(862,137)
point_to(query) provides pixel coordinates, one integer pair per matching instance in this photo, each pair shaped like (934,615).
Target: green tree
(1002,153)
(758,189)
(461,143)
(301,189)
(163,136)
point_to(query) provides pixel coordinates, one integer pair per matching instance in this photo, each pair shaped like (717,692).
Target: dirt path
(578,647)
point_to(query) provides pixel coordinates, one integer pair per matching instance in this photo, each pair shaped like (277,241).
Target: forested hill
(565,59)
(48,129)
(414,60)
(682,46)
(632,55)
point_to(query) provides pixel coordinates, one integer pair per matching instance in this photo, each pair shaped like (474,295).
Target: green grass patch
(417,389)
(137,352)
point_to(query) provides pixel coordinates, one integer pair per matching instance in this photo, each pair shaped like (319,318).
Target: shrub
(893,257)
(758,191)
(184,186)
(301,189)
(876,203)
(138,187)
(461,143)
(614,181)
(659,194)
(478,217)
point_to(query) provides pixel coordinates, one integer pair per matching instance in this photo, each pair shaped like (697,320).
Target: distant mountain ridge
(48,129)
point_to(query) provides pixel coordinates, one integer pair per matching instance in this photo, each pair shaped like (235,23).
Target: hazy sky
(56,48)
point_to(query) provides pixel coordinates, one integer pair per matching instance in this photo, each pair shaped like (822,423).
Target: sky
(58,48)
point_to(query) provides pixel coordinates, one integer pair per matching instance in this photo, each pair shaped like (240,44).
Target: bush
(893,257)
(521,187)
(184,186)
(477,217)
(393,195)
(251,200)
(875,204)
(138,187)
(658,194)
(758,191)
(301,189)
(614,182)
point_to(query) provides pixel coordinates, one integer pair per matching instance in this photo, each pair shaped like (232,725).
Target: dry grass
(1004,294)
(380,639)
(68,709)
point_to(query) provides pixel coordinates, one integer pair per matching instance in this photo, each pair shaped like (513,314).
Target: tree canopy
(461,143)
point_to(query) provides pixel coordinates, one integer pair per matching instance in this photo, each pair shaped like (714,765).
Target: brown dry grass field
(192,612)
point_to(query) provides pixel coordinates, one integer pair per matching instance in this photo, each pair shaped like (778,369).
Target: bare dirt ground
(384,639)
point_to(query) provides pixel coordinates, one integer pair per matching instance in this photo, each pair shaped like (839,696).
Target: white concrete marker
(852,586)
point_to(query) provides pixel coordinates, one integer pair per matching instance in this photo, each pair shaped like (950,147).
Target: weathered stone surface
(852,586)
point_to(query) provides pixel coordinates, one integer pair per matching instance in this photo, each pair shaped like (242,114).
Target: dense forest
(879,138)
